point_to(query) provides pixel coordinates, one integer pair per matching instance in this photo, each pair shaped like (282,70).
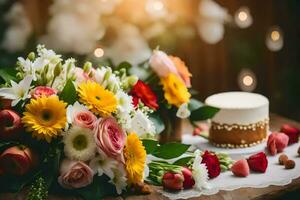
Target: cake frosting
(242,120)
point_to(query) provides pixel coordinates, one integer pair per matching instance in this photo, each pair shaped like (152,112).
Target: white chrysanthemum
(102,164)
(141,124)
(124,119)
(124,102)
(183,111)
(199,172)
(79,144)
(119,179)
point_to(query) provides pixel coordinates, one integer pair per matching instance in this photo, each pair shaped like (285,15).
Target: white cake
(242,120)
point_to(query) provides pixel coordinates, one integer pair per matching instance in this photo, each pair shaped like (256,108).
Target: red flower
(40,91)
(212,163)
(17,160)
(172,181)
(141,91)
(258,162)
(10,124)
(188,182)
(292,132)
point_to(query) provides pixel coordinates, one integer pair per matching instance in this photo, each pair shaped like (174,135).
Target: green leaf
(203,113)
(150,145)
(98,189)
(183,161)
(170,150)
(194,104)
(125,65)
(7,74)
(68,94)
(158,122)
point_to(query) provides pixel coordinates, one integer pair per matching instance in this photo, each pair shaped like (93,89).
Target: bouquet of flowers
(169,78)
(70,129)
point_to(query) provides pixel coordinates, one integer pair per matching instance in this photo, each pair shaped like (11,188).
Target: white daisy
(183,111)
(141,124)
(102,164)
(79,144)
(119,179)
(199,172)
(124,119)
(124,102)
(17,91)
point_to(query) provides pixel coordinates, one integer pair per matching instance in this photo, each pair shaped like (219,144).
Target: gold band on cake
(238,136)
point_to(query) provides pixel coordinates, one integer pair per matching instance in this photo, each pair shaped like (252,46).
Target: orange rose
(182,69)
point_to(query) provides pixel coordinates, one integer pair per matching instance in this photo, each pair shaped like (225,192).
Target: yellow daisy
(135,159)
(97,99)
(176,93)
(45,117)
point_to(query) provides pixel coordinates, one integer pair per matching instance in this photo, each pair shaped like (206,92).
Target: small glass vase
(173,131)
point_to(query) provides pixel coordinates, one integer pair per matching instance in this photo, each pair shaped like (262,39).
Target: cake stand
(236,153)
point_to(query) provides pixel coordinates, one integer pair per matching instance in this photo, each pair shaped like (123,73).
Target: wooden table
(239,194)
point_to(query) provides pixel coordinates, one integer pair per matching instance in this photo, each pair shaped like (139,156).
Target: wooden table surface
(239,194)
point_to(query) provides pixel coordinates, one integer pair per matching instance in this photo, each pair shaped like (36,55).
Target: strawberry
(240,168)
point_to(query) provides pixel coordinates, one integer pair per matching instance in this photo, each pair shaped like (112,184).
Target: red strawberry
(282,141)
(240,168)
(292,132)
(258,162)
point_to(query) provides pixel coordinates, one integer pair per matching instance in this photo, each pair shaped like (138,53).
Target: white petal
(8,93)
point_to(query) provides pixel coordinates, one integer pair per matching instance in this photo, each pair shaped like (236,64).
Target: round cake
(243,119)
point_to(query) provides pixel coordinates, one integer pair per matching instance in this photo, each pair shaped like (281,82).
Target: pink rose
(110,138)
(17,160)
(85,119)
(75,174)
(10,124)
(43,91)
(161,64)
(81,76)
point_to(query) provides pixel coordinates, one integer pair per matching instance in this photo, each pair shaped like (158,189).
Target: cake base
(238,136)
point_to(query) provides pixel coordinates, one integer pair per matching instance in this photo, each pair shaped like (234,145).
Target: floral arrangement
(170,79)
(70,129)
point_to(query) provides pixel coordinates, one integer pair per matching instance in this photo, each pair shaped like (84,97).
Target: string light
(155,8)
(98,52)
(247,80)
(243,18)
(274,39)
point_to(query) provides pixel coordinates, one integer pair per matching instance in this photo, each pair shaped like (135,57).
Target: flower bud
(173,181)
(132,80)
(46,69)
(57,69)
(188,182)
(10,124)
(107,75)
(31,56)
(87,67)
(19,75)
